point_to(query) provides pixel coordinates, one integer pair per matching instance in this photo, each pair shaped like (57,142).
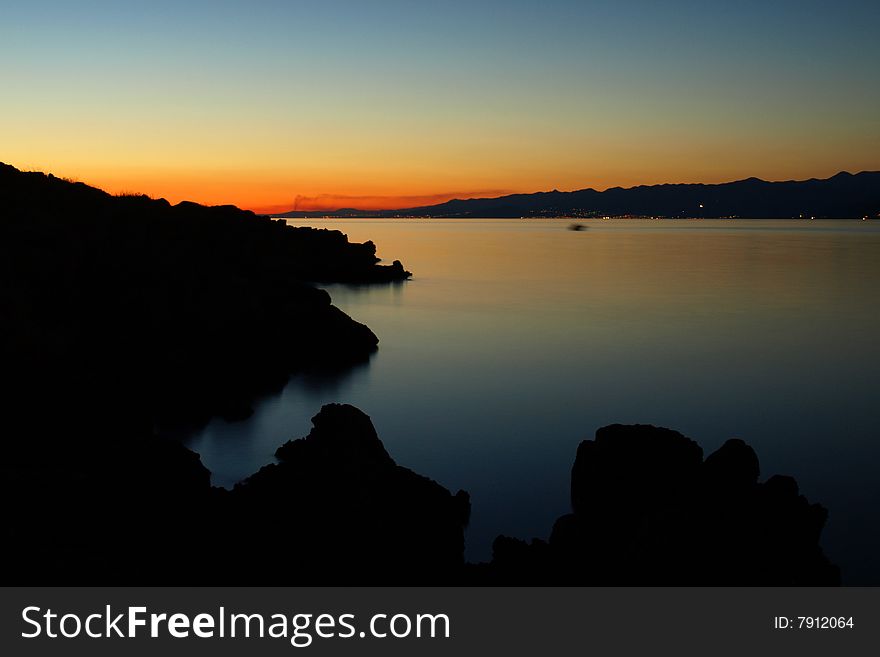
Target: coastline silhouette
(337,509)
(126,316)
(844,195)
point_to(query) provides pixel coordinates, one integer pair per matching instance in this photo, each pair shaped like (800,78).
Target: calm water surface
(516,339)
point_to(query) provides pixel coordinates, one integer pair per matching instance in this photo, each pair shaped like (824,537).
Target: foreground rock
(342,511)
(648,510)
(172,314)
(335,510)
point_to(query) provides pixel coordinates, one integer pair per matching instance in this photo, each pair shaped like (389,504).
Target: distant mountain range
(842,196)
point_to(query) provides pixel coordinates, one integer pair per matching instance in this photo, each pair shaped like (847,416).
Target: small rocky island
(124,316)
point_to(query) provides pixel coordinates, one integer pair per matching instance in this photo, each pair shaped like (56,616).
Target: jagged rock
(648,510)
(733,467)
(189,311)
(632,469)
(337,509)
(345,512)
(341,433)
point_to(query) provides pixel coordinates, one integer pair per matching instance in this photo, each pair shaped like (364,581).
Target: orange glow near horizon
(267,192)
(326,105)
(330,202)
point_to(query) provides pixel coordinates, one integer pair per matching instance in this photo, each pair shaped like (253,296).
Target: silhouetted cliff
(162,313)
(122,316)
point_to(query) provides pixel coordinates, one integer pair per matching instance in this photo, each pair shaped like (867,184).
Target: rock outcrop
(648,510)
(176,313)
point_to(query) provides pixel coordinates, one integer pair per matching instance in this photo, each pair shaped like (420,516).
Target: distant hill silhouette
(842,196)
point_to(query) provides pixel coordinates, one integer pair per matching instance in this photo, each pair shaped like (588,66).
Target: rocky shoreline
(124,318)
(178,312)
(647,509)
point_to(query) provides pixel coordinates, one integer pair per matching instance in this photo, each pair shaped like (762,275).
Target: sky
(271,104)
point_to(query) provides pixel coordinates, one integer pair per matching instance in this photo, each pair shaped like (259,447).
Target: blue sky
(397,98)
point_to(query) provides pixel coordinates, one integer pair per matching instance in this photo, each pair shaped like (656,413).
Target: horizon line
(331,210)
(438,198)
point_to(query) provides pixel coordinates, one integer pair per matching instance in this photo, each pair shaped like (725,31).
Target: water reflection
(233,450)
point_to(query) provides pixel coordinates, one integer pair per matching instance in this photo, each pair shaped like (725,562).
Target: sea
(516,339)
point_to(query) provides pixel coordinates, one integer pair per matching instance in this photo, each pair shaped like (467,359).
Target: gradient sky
(389,104)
